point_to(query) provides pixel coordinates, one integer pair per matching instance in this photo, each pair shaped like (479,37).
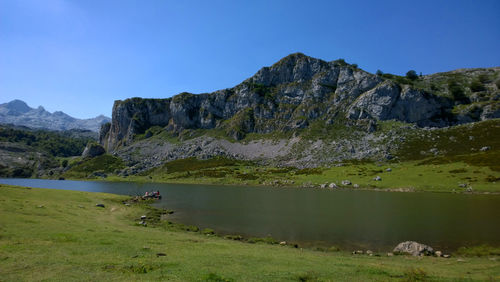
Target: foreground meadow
(50,234)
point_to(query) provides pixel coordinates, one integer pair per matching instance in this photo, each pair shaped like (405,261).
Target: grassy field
(61,235)
(423,175)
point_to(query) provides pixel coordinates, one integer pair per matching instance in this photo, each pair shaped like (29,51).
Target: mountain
(300,111)
(17,112)
(26,152)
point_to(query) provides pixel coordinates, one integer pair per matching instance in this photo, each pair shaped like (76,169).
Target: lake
(315,217)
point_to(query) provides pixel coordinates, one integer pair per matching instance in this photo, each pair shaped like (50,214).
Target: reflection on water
(350,219)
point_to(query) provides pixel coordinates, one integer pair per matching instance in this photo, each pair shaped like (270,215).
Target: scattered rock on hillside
(413,248)
(346,182)
(377,178)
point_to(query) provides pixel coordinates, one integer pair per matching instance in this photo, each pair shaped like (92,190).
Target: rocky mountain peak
(299,90)
(296,67)
(18,113)
(15,107)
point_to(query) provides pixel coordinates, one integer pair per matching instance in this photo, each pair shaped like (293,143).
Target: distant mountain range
(17,112)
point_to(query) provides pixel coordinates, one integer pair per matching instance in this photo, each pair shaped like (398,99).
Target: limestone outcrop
(298,91)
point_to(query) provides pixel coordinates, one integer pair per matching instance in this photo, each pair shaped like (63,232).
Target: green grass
(478,251)
(192,164)
(438,174)
(61,235)
(411,175)
(457,140)
(103,163)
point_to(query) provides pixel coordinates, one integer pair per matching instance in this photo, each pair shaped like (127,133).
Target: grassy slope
(442,177)
(69,238)
(429,160)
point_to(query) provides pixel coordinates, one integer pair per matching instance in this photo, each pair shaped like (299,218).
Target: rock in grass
(332,185)
(388,169)
(161,254)
(377,178)
(438,253)
(99,205)
(413,248)
(346,182)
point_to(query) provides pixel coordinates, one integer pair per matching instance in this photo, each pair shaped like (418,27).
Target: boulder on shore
(413,248)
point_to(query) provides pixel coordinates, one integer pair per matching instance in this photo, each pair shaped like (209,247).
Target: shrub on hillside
(477,86)
(412,75)
(457,92)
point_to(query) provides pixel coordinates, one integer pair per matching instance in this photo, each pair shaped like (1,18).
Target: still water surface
(349,219)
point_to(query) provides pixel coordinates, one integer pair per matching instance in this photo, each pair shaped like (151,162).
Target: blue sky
(80,56)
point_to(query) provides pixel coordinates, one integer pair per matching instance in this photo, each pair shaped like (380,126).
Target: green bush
(192,164)
(415,274)
(103,163)
(341,62)
(412,75)
(308,171)
(266,240)
(208,231)
(457,92)
(233,237)
(213,277)
(477,86)
(483,78)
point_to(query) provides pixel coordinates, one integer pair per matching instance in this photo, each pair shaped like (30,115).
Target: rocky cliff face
(299,90)
(19,113)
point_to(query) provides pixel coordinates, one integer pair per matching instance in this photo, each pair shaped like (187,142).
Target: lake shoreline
(339,188)
(88,242)
(315,216)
